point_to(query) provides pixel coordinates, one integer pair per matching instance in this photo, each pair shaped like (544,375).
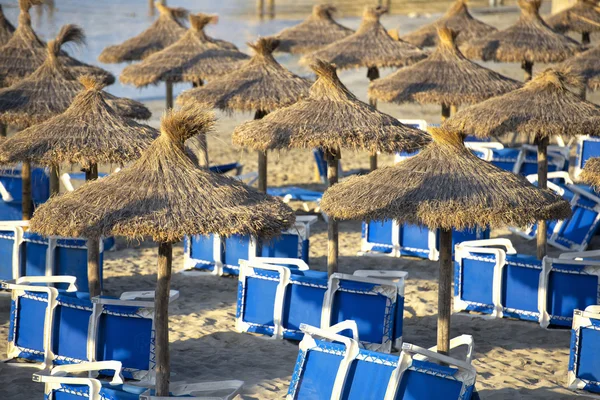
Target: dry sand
(514,359)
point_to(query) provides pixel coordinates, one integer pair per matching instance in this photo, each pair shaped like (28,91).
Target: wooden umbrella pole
(445,292)
(161,319)
(2,130)
(542,170)
(583,91)
(453,110)
(372,74)
(169,86)
(54,181)
(93,248)
(262,159)
(202,138)
(585,38)
(333,158)
(27,204)
(445,112)
(528,68)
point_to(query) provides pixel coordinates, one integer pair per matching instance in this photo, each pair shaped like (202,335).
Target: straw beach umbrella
(446,77)
(6,28)
(165,196)
(88,133)
(47,92)
(25,52)
(315,32)
(528,41)
(261,85)
(586,65)
(370,46)
(459,19)
(193,58)
(583,17)
(165,31)
(591,172)
(444,187)
(543,108)
(330,118)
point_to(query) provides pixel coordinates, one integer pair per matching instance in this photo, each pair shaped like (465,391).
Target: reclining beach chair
(335,367)
(388,238)
(11,191)
(29,254)
(576,232)
(491,278)
(61,384)
(275,299)
(587,147)
(221,255)
(57,327)
(584,363)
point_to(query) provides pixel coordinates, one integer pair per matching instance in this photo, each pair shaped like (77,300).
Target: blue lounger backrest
(587,147)
(584,358)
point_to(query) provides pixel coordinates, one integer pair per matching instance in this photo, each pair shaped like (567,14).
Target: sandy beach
(514,359)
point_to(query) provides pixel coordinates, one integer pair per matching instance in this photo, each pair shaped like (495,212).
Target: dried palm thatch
(459,19)
(591,172)
(315,32)
(51,89)
(261,83)
(165,196)
(582,17)
(88,133)
(165,31)
(25,52)
(444,186)
(369,46)
(445,77)
(528,40)
(193,58)
(587,65)
(544,107)
(330,117)
(6,28)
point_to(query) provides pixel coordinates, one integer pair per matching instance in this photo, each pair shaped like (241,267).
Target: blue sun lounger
(24,253)
(575,233)
(587,147)
(491,278)
(62,384)
(11,191)
(584,360)
(56,327)
(388,238)
(221,256)
(275,299)
(335,367)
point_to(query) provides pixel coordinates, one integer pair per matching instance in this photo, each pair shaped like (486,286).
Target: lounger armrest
(147,295)
(302,266)
(66,181)
(13,224)
(307,219)
(345,325)
(332,333)
(116,366)
(94,385)
(579,255)
(6,196)
(425,354)
(368,273)
(139,299)
(462,340)
(593,309)
(506,243)
(28,280)
(186,389)
(563,175)
(484,145)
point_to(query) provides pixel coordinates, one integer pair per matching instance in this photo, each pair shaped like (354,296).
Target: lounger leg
(161,300)
(445,292)
(542,171)
(332,225)
(27,204)
(93,247)
(372,74)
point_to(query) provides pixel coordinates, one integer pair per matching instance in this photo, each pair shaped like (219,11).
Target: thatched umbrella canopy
(443,187)
(330,118)
(528,41)
(164,195)
(370,46)
(591,172)
(51,88)
(165,31)
(446,77)
(261,84)
(583,17)
(587,65)
(459,19)
(315,32)
(6,28)
(193,58)
(25,52)
(88,133)
(544,107)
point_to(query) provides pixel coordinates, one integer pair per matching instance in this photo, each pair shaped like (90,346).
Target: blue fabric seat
(584,359)
(11,190)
